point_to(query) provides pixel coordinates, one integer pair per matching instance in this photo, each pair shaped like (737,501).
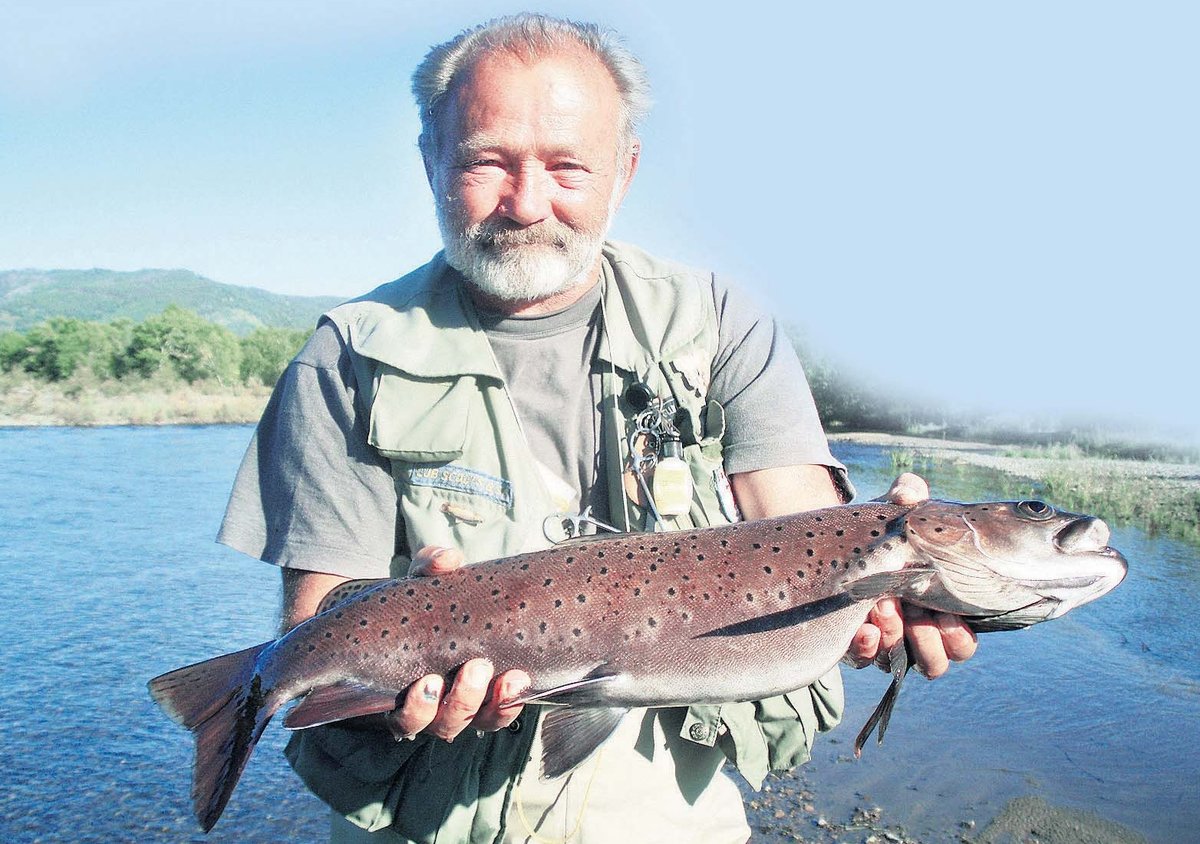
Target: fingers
(908,489)
(936,639)
(426,709)
(434,560)
(494,715)
(863,647)
(420,707)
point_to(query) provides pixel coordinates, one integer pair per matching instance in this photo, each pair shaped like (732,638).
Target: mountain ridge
(31,296)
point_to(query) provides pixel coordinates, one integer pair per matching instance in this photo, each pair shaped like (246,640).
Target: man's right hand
(474,691)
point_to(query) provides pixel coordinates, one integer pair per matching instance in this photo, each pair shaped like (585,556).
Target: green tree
(14,349)
(267,351)
(180,342)
(61,346)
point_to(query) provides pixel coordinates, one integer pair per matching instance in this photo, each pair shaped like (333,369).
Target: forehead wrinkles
(504,97)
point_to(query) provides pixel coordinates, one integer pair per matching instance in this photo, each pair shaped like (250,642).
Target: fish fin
(220,702)
(570,735)
(898,655)
(338,701)
(575,693)
(783,618)
(908,582)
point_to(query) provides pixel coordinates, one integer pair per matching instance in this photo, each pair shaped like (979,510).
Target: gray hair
(527,35)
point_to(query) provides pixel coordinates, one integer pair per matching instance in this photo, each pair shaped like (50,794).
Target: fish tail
(221,701)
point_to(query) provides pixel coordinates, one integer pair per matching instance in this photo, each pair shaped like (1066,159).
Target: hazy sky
(993,202)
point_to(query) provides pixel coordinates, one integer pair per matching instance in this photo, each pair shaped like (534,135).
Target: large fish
(715,615)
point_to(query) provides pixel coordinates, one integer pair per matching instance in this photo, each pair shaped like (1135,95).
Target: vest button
(698,732)
(515,726)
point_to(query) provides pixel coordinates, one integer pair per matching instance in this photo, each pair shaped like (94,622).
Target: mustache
(503,234)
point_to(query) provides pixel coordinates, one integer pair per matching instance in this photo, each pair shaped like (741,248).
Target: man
(457,414)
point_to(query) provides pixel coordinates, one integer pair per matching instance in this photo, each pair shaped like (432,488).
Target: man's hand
(474,691)
(935,638)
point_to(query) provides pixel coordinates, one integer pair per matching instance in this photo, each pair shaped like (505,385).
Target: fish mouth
(1085,535)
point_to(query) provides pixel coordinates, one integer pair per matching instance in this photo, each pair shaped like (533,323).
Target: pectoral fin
(898,655)
(577,693)
(905,583)
(341,700)
(570,736)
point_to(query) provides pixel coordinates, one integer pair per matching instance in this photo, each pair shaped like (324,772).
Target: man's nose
(527,199)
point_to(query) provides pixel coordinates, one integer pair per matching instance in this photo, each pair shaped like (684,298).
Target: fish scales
(712,615)
(638,603)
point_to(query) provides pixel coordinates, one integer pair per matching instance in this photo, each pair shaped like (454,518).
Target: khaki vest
(465,478)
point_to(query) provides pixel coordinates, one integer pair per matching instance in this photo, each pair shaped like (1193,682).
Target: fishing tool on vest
(565,526)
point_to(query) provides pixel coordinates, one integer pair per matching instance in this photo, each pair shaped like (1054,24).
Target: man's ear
(631,164)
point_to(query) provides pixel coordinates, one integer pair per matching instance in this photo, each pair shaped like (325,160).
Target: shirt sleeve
(771,419)
(311,493)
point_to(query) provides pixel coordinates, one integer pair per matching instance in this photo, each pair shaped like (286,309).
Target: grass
(1160,498)
(84,400)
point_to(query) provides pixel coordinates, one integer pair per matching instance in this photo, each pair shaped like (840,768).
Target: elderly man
(532,370)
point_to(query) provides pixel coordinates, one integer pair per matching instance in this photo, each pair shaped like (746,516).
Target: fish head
(1005,565)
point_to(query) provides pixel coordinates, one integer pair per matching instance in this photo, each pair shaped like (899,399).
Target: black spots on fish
(874,533)
(707,596)
(630,555)
(524,566)
(453,607)
(775,549)
(384,633)
(685,578)
(548,581)
(779,528)
(437,628)
(810,534)
(479,578)
(781,595)
(576,632)
(520,636)
(857,550)
(671,591)
(542,627)
(557,603)
(603,570)
(428,605)
(581,598)
(652,621)
(700,558)
(599,556)
(767,569)
(724,543)
(881,517)
(570,560)
(862,564)
(453,645)
(312,648)
(756,545)
(750,597)
(405,647)
(437,581)
(487,625)
(886,546)
(855,514)
(800,573)
(466,617)
(403,619)
(338,614)
(938,529)
(637,591)
(383,599)
(839,532)
(522,605)
(495,592)
(685,616)
(808,552)
(816,518)
(654,567)
(362,622)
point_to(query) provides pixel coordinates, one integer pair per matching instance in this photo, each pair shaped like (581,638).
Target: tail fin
(221,702)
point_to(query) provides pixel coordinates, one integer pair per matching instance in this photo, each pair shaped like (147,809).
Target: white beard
(516,264)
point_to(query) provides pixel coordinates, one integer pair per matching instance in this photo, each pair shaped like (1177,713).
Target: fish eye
(1036,510)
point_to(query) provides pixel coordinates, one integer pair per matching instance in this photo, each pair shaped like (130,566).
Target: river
(109,575)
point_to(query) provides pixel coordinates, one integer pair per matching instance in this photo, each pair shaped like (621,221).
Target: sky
(994,205)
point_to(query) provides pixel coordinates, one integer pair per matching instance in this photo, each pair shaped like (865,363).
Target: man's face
(526,174)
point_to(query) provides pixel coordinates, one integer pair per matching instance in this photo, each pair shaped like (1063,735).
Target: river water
(109,575)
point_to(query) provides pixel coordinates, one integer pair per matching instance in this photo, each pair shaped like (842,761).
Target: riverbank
(86,402)
(1161,497)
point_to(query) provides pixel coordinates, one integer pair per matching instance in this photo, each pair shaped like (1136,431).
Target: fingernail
(479,673)
(946,622)
(886,609)
(432,690)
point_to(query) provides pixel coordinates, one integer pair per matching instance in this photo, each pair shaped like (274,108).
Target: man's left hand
(935,639)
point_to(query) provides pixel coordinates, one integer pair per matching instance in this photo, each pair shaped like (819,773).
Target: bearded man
(457,413)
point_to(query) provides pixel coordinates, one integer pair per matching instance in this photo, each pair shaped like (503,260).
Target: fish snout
(1082,535)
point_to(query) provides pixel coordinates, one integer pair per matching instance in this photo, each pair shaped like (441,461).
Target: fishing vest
(465,478)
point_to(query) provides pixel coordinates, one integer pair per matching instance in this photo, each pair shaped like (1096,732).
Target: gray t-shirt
(312,494)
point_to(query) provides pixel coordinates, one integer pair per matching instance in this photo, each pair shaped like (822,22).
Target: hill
(28,297)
